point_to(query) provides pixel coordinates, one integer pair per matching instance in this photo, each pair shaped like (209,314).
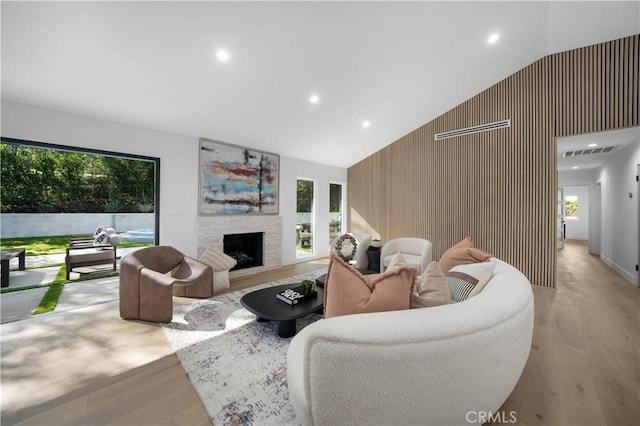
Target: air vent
(475,129)
(589,151)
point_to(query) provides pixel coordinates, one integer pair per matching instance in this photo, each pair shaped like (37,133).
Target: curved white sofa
(419,366)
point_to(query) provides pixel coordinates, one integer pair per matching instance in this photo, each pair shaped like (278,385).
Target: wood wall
(498,186)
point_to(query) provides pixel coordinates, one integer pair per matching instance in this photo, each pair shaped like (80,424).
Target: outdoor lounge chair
(82,252)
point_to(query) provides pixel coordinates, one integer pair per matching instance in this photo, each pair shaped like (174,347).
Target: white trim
(626,275)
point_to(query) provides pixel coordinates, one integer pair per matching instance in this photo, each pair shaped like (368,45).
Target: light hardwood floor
(89,367)
(583,367)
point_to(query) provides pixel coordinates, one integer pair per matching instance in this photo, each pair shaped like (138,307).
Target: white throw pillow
(431,288)
(466,281)
(102,239)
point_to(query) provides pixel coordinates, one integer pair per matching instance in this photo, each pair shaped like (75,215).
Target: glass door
(305,202)
(335,211)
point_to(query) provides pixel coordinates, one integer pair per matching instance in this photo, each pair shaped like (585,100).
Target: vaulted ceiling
(396,65)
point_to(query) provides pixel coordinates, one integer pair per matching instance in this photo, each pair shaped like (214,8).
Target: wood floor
(89,367)
(583,368)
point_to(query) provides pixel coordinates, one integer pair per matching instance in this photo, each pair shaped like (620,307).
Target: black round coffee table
(267,307)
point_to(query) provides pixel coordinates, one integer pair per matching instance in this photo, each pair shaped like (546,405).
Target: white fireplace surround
(211,230)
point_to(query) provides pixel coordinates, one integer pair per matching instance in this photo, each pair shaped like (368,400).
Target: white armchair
(418,252)
(364,241)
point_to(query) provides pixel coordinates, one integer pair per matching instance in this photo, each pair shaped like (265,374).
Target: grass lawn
(50,245)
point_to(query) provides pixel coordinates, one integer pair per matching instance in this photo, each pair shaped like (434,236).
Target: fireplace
(246,249)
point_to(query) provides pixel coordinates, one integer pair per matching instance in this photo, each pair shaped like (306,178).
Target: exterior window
(335,210)
(571,207)
(305,217)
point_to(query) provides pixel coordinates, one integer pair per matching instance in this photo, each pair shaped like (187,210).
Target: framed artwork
(237,180)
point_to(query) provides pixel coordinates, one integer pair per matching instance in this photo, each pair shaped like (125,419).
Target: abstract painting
(237,180)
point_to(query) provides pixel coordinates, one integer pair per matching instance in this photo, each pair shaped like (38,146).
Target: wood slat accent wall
(498,186)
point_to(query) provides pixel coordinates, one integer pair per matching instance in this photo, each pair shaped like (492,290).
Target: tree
(305,196)
(38,179)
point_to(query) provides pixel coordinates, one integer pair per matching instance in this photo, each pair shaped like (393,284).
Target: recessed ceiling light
(591,145)
(575,167)
(314,99)
(222,55)
(493,38)
(366,124)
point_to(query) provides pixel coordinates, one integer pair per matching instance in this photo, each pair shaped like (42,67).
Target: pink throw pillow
(347,291)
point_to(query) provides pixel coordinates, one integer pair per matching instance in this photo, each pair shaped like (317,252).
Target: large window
(304,217)
(335,210)
(45,178)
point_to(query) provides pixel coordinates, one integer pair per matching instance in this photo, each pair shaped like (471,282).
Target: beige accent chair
(417,252)
(220,264)
(364,241)
(149,277)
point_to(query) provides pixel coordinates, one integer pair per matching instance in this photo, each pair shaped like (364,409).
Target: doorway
(575,205)
(605,163)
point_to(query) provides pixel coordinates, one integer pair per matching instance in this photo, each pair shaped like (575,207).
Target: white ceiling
(616,138)
(397,64)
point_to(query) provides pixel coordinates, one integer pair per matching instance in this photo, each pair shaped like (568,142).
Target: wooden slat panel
(498,186)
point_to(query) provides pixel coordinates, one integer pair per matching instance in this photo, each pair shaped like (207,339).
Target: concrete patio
(19,305)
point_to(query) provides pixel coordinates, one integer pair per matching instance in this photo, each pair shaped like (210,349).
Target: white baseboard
(631,277)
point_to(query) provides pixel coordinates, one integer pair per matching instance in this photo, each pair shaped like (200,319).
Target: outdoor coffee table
(264,304)
(7,255)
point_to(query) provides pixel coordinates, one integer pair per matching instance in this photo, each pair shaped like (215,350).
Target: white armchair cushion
(416,251)
(412,260)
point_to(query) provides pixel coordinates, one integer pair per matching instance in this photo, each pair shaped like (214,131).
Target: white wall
(578,229)
(178,168)
(290,170)
(178,156)
(619,221)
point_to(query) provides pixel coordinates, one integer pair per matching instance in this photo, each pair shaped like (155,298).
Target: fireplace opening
(246,249)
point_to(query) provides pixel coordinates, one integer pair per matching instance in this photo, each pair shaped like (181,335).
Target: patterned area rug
(236,364)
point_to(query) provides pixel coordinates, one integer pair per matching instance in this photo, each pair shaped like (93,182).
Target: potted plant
(309,286)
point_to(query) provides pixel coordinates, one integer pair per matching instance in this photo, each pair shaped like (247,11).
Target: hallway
(583,367)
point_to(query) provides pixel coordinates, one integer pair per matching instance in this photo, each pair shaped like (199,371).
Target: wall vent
(475,129)
(580,152)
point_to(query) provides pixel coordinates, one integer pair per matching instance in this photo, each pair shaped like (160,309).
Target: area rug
(236,364)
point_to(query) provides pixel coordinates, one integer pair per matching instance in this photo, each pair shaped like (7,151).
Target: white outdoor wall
(578,229)
(49,224)
(619,222)
(290,170)
(178,158)
(588,178)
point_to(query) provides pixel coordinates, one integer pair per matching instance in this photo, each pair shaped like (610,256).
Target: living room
(498,186)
